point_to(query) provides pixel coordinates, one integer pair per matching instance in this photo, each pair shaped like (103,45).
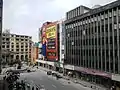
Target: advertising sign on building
(51,32)
(51,35)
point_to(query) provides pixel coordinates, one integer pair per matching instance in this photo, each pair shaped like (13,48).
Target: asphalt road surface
(50,83)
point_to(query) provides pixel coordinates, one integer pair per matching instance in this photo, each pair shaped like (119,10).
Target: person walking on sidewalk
(113,88)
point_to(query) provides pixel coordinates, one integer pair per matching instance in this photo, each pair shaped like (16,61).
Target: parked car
(58,76)
(49,72)
(54,73)
(30,70)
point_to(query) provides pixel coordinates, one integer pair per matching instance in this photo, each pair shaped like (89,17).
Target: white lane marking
(54,86)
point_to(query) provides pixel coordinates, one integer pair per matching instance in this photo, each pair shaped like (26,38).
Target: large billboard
(51,32)
(52,46)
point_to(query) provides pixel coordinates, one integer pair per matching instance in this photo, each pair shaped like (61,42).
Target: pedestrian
(112,88)
(37,67)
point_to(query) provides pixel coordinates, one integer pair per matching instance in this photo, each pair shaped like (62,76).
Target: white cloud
(22,10)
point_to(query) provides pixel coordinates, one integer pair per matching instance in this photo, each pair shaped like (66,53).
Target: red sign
(52,45)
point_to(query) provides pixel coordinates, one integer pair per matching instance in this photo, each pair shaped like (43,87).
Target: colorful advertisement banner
(51,32)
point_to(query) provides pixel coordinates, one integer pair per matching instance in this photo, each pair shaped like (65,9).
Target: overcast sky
(26,16)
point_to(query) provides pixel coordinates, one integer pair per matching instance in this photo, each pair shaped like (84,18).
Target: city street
(49,82)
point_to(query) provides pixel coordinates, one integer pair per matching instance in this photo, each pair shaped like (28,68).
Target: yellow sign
(51,32)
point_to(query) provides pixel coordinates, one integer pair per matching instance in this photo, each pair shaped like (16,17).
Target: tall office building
(93,43)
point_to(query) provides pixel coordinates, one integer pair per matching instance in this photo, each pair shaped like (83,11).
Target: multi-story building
(6,54)
(51,39)
(62,43)
(1,13)
(92,43)
(16,47)
(35,52)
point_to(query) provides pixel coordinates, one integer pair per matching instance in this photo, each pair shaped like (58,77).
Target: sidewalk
(83,83)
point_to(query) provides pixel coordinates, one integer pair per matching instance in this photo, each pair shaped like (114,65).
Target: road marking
(54,86)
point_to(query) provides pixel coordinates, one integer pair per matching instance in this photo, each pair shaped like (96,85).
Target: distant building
(35,52)
(16,47)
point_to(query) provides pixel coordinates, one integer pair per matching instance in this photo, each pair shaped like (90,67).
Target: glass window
(119,12)
(115,26)
(106,15)
(115,13)
(110,14)
(115,19)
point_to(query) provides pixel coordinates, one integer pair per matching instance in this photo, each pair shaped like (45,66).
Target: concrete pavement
(50,83)
(84,83)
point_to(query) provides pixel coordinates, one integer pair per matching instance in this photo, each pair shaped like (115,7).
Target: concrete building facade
(35,52)
(16,47)
(92,44)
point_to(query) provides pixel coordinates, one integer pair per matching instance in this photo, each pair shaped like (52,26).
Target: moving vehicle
(49,72)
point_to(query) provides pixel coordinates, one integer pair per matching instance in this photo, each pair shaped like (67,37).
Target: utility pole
(64,67)
(1,2)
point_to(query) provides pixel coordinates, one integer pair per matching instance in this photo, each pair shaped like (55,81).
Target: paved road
(50,83)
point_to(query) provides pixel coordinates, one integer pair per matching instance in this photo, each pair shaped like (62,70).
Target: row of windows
(76,12)
(22,49)
(95,41)
(94,20)
(94,52)
(77,31)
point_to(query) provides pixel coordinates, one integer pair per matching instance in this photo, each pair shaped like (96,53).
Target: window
(110,14)
(115,12)
(110,20)
(12,35)
(7,46)
(3,46)
(110,27)
(22,39)
(17,49)
(26,39)
(106,27)
(111,41)
(115,20)
(62,51)
(12,46)
(7,39)
(106,15)
(106,40)
(115,26)
(106,21)
(119,19)
(119,12)
(17,46)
